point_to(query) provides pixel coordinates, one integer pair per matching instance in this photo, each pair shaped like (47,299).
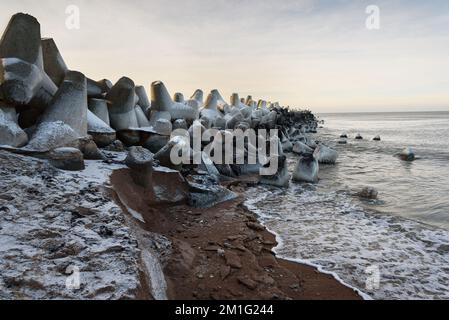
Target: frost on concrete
(52,222)
(10,132)
(51,135)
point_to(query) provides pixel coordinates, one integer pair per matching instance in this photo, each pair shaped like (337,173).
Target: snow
(51,220)
(50,135)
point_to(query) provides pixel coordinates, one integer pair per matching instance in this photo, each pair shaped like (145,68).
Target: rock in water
(377,138)
(342,141)
(123,100)
(358,137)
(282,177)
(302,149)
(21,66)
(325,155)
(70,159)
(10,132)
(306,170)
(368,193)
(287,146)
(140,161)
(344,136)
(311,143)
(407,154)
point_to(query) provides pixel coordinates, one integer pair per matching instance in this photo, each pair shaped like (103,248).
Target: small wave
(331,232)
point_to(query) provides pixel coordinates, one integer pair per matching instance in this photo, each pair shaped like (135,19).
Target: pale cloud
(309,53)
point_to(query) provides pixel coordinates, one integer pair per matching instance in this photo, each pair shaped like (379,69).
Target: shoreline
(319,268)
(224,253)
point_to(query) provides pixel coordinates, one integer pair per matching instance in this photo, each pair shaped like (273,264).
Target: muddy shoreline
(222,253)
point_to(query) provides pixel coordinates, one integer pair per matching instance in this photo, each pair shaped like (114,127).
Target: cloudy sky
(306,53)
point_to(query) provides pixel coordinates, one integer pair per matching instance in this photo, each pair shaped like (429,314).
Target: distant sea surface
(396,247)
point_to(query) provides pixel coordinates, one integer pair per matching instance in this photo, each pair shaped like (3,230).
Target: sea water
(396,247)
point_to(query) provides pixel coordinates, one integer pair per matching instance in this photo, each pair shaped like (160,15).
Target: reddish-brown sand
(224,253)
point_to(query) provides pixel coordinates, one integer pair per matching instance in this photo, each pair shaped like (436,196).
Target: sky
(315,54)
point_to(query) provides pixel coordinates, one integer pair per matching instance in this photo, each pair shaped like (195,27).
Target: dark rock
(407,155)
(247,282)
(91,151)
(206,193)
(116,146)
(368,193)
(255,226)
(233,260)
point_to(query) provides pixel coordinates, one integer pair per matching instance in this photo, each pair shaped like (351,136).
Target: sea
(395,247)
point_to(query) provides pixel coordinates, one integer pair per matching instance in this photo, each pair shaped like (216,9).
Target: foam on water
(330,231)
(404,235)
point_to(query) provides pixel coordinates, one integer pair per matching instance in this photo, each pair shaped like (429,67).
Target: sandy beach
(224,253)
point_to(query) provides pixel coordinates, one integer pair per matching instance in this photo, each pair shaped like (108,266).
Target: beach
(224,253)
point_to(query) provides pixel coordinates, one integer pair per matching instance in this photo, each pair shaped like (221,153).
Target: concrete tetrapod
(99,107)
(123,98)
(65,120)
(102,134)
(161,102)
(70,103)
(56,68)
(306,170)
(10,132)
(144,101)
(22,76)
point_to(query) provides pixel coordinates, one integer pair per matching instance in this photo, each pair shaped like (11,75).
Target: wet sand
(223,253)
